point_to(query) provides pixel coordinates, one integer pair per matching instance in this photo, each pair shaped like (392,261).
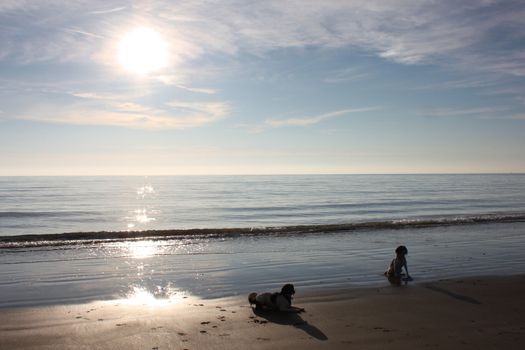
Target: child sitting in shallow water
(394,272)
(275,301)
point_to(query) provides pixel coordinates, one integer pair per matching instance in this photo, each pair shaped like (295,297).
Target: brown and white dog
(275,301)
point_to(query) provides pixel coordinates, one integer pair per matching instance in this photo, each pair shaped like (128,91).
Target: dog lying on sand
(281,301)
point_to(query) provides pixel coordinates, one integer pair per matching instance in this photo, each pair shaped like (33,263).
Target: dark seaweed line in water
(74,238)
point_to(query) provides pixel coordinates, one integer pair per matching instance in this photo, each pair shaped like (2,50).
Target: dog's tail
(251,298)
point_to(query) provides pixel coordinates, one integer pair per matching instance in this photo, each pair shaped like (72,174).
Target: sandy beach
(473,313)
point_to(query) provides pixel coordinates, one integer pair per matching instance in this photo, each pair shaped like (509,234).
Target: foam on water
(83,238)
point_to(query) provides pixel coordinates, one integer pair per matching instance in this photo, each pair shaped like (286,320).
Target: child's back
(395,270)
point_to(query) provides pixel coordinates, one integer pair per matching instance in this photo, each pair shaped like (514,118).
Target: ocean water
(315,231)
(45,205)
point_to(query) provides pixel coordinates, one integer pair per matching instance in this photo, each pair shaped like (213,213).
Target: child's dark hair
(402,250)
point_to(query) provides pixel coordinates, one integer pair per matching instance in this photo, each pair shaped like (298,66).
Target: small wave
(34,214)
(75,238)
(24,214)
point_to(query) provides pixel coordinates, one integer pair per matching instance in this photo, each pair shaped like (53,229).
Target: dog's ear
(252,297)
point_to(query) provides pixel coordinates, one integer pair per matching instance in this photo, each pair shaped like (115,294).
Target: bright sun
(143,51)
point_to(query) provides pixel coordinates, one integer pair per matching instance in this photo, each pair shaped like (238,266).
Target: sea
(157,238)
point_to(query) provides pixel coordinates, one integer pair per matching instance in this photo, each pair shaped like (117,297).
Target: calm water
(478,228)
(41,205)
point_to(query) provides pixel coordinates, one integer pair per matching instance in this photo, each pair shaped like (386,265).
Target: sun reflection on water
(144,191)
(140,217)
(145,212)
(142,249)
(161,296)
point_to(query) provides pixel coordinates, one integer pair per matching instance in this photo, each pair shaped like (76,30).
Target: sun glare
(159,297)
(143,249)
(143,51)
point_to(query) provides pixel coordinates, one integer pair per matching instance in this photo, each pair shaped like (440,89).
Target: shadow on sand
(464,298)
(291,319)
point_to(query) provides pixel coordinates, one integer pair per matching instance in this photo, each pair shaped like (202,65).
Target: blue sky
(262,87)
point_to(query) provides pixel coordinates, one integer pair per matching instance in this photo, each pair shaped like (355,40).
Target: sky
(166,87)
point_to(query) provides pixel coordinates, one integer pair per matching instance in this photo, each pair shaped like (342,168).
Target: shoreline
(227,267)
(100,237)
(467,313)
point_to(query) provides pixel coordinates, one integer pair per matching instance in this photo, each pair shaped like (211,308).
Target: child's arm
(406,269)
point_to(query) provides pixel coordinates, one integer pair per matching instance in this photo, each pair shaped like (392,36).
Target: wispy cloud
(488,83)
(95,95)
(106,11)
(207,91)
(509,89)
(408,31)
(457,112)
(97,108)
(81,32)
(175,81)
(204,112)
(176,115)
(130,107)
(346,75)
(309,120)
(107,110)
(482,36)
(521,99)
(42,32)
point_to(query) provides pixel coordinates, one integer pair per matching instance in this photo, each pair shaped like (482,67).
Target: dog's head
(288,289)
(402,250)
(251,298)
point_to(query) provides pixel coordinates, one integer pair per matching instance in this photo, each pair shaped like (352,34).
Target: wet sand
(474,313)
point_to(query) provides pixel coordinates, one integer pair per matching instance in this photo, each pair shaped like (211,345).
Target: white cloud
(309,120)
(406,31)
(346,75)
(180,115)
(205,112)
(488,83)
(453,112)
(207,91)
(96,95)
(134,108)
(121,110)
(484,36)
(508,90)
(81,32)
(173,80)
(108,10)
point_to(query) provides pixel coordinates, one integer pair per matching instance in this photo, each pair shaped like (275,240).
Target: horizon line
(270,174)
